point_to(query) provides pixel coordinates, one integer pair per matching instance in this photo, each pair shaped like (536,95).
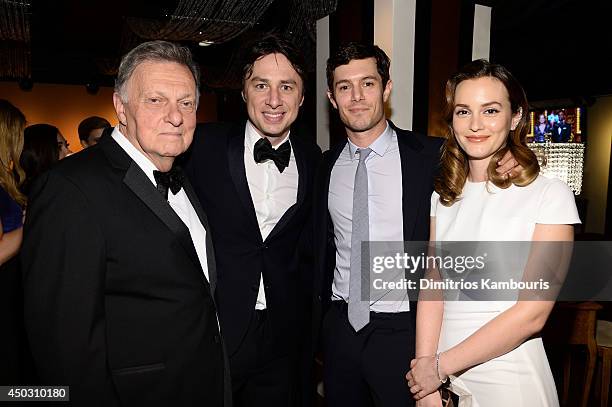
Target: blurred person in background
(91,130)
(541,129)
(553,117)
(43,146)
(562,131)
(12,123)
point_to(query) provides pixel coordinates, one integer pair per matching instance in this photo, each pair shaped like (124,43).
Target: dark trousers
(260,376)
(367,368)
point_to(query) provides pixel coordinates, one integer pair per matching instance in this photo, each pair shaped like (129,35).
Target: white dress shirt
(179,203)
(272,192)
(384,209)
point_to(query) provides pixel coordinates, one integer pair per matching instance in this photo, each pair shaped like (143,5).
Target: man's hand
(509,166)
(423,376)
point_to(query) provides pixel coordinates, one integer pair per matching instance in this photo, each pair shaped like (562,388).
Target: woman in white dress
(489,349)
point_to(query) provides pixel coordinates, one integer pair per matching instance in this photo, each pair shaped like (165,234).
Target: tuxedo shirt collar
(251,136)
(139,158)
(378,146)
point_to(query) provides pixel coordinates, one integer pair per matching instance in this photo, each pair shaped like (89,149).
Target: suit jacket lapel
(237,171)
(411,162)
(137,181)
(210,254)
(334,153)
(140,184)
(323,225)
(328,166)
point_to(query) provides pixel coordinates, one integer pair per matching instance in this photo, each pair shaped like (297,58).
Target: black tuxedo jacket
(215,166)
(561,132)
(116,302)
(420,157)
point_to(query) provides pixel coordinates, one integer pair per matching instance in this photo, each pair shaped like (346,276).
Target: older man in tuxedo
(119,271)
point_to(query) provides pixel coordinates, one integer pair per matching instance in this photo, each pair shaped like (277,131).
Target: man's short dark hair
(273,44)
(356,50)
(90,124)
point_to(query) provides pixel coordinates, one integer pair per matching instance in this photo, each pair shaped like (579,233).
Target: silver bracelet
(438,368)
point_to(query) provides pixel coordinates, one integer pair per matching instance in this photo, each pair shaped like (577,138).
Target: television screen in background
(557,138)
(556,126)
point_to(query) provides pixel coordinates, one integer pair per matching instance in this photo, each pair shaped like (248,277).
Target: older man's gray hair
(155,51)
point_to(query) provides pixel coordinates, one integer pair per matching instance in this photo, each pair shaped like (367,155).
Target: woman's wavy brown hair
(454,167)
(12,124)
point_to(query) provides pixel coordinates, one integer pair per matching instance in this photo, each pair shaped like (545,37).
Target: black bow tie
(172,180)
(263,151)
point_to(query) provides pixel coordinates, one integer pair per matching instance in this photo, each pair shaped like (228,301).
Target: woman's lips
(476,139)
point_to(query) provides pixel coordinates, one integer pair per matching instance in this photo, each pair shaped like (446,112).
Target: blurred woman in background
(12,202)
(541,129)
(12,123)
(44,145)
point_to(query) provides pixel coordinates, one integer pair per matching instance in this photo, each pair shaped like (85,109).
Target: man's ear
(387,91)
(119,109)
(84,144)
(330,96)
(244,97)
(516,118)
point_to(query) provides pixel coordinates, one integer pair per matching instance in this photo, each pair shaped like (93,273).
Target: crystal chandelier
(563,161)
(213,21)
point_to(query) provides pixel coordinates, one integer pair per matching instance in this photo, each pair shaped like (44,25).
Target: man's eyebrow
(264,80)
(157,93)
(369,77)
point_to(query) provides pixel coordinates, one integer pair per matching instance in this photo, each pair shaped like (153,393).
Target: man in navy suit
(365,365)
(255,180)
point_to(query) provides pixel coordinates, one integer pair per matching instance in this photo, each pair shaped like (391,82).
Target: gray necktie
(358,310)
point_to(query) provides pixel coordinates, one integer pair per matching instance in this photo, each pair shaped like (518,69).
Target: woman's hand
(431,400)
(423,376)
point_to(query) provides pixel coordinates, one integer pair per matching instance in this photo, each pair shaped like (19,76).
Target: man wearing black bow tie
(254,180)
(119,271)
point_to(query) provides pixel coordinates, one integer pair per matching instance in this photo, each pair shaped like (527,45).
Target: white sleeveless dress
(521,377)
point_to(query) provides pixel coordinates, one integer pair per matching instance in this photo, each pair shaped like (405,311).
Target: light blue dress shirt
(384,208)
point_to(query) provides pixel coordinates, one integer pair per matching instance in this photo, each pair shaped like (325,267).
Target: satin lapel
(412,163)
(138,182)
(235,158)
(324,220)
(334,154)
(210,254)
(303,179)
